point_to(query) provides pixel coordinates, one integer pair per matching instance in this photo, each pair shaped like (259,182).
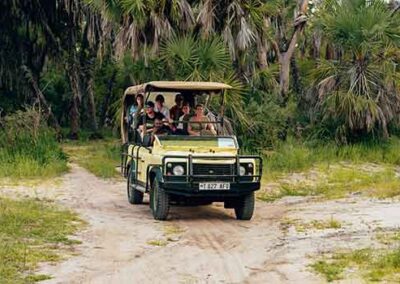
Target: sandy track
(207,245)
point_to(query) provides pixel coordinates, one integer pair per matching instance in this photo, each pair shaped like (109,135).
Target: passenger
(150,117)
(182,127)
(200,124)
(159,129)
(176,111)
(135,110)
(160,106)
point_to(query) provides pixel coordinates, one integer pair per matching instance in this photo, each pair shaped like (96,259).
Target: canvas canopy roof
(176,86)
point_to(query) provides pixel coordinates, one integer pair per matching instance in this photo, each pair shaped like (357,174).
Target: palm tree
(256,27)
(142,25)
(187,58)
(359,88)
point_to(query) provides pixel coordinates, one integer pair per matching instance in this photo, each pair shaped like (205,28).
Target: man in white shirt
(160,106)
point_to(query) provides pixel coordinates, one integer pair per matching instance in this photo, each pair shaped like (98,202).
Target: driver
(199,124)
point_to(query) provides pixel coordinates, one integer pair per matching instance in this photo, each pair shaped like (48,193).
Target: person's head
(186,108)
(158,123)
(199,109)
(139,99)
(178,100)
(160,100)
(149,107)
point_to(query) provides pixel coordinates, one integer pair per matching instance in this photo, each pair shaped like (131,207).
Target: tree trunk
(92,106)
(284,61)
(316,45)
(107,98)
(262,55)
(285,57)
(33,82)
(329,52)
(74,78)
(295,75)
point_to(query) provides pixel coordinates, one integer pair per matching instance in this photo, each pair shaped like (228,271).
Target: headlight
(246,169)
(178,170)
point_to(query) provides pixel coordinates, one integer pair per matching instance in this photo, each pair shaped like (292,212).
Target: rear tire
(134,195)
(159,201)
(245,207)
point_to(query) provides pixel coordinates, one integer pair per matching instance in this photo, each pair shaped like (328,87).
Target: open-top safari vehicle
(183,168)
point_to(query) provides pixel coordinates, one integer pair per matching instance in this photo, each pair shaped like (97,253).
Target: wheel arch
(153,172)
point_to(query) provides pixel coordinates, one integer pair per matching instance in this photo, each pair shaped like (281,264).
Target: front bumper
(188,184)
(192,189)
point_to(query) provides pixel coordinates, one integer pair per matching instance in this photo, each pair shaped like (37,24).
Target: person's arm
(210,127)
(190,130)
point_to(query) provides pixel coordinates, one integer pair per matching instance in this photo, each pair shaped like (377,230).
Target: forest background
(304,72)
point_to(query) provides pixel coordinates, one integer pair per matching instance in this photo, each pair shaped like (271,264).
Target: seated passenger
(160,108)
(150,117)
(159,129)
(182,127)
(176,111)
(199,123)
(135,109)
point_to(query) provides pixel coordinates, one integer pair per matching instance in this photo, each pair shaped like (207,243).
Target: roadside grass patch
(338,181)
(31,232)
(302,226)
(98,157)
(330,270)
(28,148)
(157,243)
(371,264)
(172,230)
(294,156)
(388,238)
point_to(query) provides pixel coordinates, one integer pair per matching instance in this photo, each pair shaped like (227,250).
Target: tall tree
(359,88)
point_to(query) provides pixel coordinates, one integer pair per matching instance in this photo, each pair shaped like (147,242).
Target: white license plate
(214,186)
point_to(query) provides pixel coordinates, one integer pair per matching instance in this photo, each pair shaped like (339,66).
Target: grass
(339,180)
(292,156)
(28,148)
(26,158)
(301,226)
(98,157)
(31,232)
(388,238)
(172,230)
(158,243)
(372,265)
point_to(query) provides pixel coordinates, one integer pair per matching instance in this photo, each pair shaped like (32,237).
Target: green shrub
(28,148)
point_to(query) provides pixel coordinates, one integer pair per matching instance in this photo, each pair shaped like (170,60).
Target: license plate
(214,186)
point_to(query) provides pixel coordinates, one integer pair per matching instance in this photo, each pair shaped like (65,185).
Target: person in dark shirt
(160,129)
(176,111)
(150,117)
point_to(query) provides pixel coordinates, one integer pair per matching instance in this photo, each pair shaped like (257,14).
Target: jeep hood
(192,145)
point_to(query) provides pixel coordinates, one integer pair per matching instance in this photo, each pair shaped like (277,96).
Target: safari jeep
(194,170)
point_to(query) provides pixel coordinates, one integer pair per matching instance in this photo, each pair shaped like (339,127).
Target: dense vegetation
(28,148)
(316,71)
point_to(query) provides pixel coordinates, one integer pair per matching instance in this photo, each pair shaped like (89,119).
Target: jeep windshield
(198,141)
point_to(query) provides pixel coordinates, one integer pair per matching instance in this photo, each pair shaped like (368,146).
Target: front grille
(213,170)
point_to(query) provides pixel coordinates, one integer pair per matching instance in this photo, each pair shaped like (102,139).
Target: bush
(28,147)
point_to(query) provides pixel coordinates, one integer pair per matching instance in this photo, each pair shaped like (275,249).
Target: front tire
(134,195)
(159,201)
(245,208)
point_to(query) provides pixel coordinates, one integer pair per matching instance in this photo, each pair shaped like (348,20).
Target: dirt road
(123,244)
